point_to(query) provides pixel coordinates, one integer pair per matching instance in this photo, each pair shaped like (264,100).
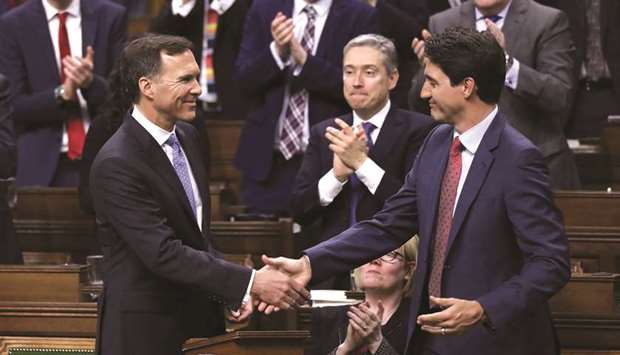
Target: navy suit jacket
(394,151)
(29,61)
(507,248)
(263,82)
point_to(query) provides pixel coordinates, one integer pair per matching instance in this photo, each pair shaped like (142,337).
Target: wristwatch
(59,95)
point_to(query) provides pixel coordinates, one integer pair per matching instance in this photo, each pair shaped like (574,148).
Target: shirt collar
(503,13)
(321,7)
(159,134)
(51,12)
(377,119)
(472,137)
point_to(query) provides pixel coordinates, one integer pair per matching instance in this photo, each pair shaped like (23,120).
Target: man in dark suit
(57,53)
(9,249)
(290,70)
(164,281)
(347,178)
(539,83)
(187,18)
(492,246)
(596,33)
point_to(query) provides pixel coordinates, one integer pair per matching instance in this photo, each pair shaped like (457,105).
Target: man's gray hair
(384,45)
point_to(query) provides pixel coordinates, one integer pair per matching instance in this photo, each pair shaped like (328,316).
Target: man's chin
(188,117)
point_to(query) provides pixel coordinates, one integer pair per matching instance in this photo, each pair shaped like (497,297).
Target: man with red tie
(492,246)
(56,54)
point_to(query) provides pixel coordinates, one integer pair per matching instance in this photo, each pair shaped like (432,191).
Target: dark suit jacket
(539,38)
(263,83)
(394,151)
(507,248)
(329,330)
(9,250)
(163,279)
(28,60)
(610,34)
(227,43)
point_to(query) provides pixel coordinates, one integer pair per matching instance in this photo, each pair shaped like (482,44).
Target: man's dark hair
(142,58)
(463,53)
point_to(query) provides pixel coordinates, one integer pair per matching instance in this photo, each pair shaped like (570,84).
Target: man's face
(175,88)
(446,101)
(490,7)
(367,83)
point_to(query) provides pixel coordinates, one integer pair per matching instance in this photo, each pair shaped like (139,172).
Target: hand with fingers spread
(242,314)
(364,329)
(277,288)
(349,144)
(282,31)
(496,32)
(456,317)
(418,45)
(79,70)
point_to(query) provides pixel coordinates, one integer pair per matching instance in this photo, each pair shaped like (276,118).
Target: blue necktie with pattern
(181,168)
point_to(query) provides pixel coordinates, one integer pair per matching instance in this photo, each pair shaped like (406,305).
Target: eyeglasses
(392,257)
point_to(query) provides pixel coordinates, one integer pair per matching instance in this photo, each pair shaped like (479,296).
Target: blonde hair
(410,253)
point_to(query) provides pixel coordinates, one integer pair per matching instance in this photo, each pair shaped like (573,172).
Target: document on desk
(334,298)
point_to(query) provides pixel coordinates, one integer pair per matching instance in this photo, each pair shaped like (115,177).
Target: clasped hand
(349,146)
(280,284)
(456,316)
(364,329)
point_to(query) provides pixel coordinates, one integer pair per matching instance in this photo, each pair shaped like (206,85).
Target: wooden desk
(250,343)
(48,319)
(42,283)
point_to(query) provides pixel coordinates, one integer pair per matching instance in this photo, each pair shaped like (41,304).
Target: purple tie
(291,133)
(357,188)
(180,167)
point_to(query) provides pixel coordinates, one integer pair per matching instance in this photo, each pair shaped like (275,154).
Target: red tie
(75,126)
(447,199)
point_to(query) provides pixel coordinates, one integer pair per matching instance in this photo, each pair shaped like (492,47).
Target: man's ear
(393,79)
(146,87)
(469,87)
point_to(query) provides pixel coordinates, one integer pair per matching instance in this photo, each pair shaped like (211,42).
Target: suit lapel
(89,27)
(388,136)
(606,9)
(483,160)
(37,23)
(468,15)
(333,16)
(157,159)
(513,24)
(200,175)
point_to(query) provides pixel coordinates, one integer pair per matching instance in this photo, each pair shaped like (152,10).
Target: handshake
(280,284)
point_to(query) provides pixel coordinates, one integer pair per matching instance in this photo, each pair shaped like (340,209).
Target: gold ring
(443,331)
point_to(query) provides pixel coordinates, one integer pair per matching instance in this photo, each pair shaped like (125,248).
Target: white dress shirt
(470,140)
(369,173)
(181,9)
(74,32)
(161,136)
(299,20)
(512,75)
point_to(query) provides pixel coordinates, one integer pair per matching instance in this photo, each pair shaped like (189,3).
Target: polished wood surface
(64,319)
(42,283)
(250,343)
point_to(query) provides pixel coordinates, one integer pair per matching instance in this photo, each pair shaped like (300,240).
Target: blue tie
(180,167)
(494,18)
(357,188)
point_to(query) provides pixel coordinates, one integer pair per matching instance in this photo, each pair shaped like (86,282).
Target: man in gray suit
(539,81)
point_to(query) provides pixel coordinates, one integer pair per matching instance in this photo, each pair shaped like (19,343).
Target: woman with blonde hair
(379,324)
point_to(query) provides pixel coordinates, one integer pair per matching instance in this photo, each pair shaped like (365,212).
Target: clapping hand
(79,70)
(348,144)
(418,45)
(364,329)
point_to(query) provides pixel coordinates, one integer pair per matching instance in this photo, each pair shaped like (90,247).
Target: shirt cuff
(246,297)
(329,188)
(221,6)
(512,76)
(178,8)
(276,56)
(370,174)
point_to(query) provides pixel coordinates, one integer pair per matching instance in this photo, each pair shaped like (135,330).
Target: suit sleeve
(548,86)
(539,230)
(7,138)
(306,205)
(390,183)
(96,93)
(402,24)
(255,68)
(123,201)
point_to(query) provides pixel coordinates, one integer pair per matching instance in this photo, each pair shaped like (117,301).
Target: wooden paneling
(250,343)
(67,319)
(41,283)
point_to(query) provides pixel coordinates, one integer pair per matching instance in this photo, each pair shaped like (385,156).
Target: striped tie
(207,76)
(292,130)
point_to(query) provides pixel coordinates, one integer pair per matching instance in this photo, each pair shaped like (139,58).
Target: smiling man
(164,281)
(354,163)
